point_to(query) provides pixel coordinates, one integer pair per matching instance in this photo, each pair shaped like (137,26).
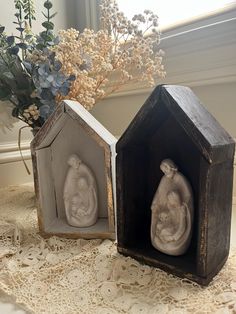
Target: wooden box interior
(141,165)
(65,138)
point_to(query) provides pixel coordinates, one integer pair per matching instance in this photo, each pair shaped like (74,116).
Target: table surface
(8,307)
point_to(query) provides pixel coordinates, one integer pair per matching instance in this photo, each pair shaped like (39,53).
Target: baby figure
(172,222)
(164,228)
(81,201)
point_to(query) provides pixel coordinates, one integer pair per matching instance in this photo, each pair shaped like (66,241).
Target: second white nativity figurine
(172,212)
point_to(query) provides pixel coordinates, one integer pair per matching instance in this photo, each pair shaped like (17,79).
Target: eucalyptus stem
(20,6)
(14,103)
(48,18)
(29,10)
(30,15)
(22,39)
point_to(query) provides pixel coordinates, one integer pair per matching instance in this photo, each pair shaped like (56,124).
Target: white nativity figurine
(172,212)
(80,194)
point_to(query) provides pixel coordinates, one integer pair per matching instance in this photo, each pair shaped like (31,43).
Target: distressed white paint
(75,132)
(47,193)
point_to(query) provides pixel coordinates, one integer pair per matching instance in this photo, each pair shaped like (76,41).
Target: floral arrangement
(31,86)
(37,71)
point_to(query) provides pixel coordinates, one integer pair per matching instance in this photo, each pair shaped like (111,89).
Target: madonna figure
(80,194)
(172,212)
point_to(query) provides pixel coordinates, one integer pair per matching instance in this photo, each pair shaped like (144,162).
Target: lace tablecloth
(89,276)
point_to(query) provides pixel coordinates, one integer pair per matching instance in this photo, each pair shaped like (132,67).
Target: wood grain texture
(48,126)
(173,124)
(203,129)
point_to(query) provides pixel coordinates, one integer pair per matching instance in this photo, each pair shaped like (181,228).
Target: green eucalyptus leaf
(10,40)
(8,75)
(2,29)
(17,6)
(18,3)
(2,66)
(40,46)
(28,37)
(22,46)
(42,34)
(29,10)
(44,15)
(46,37)
(53,15)
(48,5)
(20,29)
(13,50)
(48,25)
(5,93)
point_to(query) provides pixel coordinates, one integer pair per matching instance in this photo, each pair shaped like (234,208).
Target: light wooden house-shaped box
(173,124)
(73,130)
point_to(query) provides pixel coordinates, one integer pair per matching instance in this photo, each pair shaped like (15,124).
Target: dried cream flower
(30,114)
(120,50)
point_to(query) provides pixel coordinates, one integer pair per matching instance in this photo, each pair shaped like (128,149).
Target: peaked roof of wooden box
(55,122)
(208,135)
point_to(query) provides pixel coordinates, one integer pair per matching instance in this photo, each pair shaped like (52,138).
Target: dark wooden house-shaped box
(173,124)
(71,129)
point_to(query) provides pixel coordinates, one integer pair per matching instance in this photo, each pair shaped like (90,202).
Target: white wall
(204,60)
(116,113)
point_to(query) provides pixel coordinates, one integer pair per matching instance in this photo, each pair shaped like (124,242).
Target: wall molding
(13,146)
(9,152)
(200,53)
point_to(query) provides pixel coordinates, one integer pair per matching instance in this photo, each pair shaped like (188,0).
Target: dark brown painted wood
(173,124)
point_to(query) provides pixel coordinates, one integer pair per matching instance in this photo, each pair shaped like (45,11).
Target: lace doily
(88,276)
